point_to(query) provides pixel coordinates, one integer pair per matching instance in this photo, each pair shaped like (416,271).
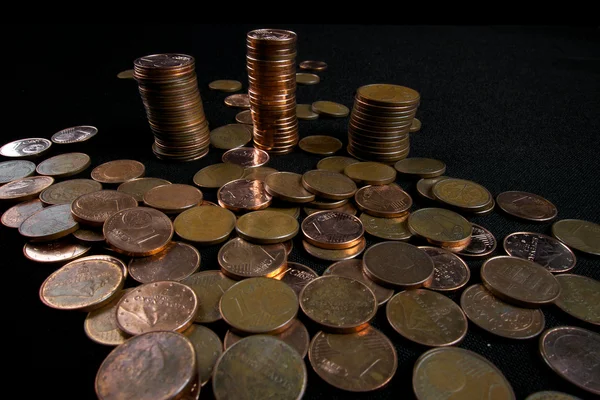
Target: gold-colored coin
(66,191)
(240,259)
(550,395)
(354,269)
(225,85)
(327,204)
(205,225)
(265,227)
(303,78)
(386,201)
(173,198)
(64,165)
(335,254)
(288,186)
(370,173)
(461,193)
(216,175)
(175,263)
(320,144)
(579,297)
(244,117)
(423,167)
(94,208)
(101,325)
(336,163)
(439,225)
(330,109)
(49,223)
(347,208)
(258,173)
(127,74)
(209,286)
(291,211)
(231,136)
(386,228)
(415,126)
(139,186)
(304,111)
(425,186)
(15,169)
(329,185)
(25,189)
(387,94)
(208,349)
(578,234)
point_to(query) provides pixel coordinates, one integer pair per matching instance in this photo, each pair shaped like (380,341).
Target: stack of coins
(169,90)
(380,122)
(271,63)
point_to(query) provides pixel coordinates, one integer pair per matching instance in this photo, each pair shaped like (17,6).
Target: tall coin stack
(271,63)
(380,122)
(169,90)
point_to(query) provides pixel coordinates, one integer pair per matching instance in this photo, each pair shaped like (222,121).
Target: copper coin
(173,198)
(25,148)
(329,185)
(386,201)
(259,173)
(14,216)
(66,191)
(338,304)
(541,249)
(307,79)
(110,259)
(246,157)
(208,348)
(571,352)
(138,231)
(398,265)
(205,225)
(370,173)
(335,163)
(209,286)
(25,189)
(244,195)
(550,395)
(244,117)
(137,368)
(332,230)
(139,186)
(240,259)
(335,255)
(527,206)
(288,186)
(85,284)
(61,250)
(94,208)
(353,269)
(579,297)
(157,306)
(266,227)
(64,165)
(175,263)
(425,186)
(225,85)
(423,167)
(15,169)
(482,244)
(440,226)
(127,74)
(89,236)
(118,171)
(463,194)
(415,126)
(356,362)
(347,208)
(320,144)
(101,325)
(330,108)
(296,276)
(520,282)
(216,175)
(386,228)
(238,101)
(49,223)
(289,246)
(74,134)
(450,272)
(388,94)
(231,136)
(313,65)
(578,234)
(304,111)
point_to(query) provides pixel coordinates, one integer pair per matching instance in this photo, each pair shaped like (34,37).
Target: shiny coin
(49,223)
(174,198)
(175,263)
(259,173)
(566,348)
(526,206)
(440,226)
(208,349)
(461,193)
(425,186)
(303,78)
(423,167)
(335,255)
(450,272)
(335,163)
(291,211)
(296,276)
(15,169)
(118,171)
(495,316)
(205,225)
(332,230)
(578,234)
(61,250)
(139,186)
(541,249)
(296,336)
(346,208)
(338,304)
(127,74)
(264,366)
(25,189)
(367,358)
(244,117)
(225,85)
(415,126)
(579,297)
(519,282)
(313,65)
(231,136)
(64,165)
(441,322)
(25,148)
(247,157)
(238,101)
(75,134)
(266,227)
(304,111)
(550,395)
(101,325)
(288,186)
(458,376)
(320,144)
(209,286)
(354,269)
(330,109)
(240,259)
(14,216)
(66,192)
(329,185)
(482,244)
(94,208)
(244,195)
(386,201)
(386,228)
(89,236)
(370,173)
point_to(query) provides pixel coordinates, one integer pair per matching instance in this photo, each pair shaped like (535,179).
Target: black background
(513,108)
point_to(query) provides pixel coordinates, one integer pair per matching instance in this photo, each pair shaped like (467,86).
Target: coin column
(271,63)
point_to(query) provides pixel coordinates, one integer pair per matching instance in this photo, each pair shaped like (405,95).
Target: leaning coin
(241,100)
(332,230)
(320,144)
(304,111)
(15,169)
(386,228)
(208,348)
(423,167)
(440,225)
(25,148)
(335,255)
(139,186)
(101,325)
(244,117)
(239,259)
(329,185)
(336,163)
(330,108)
(528,206)
(216,175)
(482,244)
(579,297)
(205,225)
(61,250)
(386,201)
(425,186)
(231,136)
(578,234)
(94,208)
(288,186)
(244,195)
(353,269)
(225,85)
(541,249)
(370,173)
(75,134)
(266,227)
(246,157)
(25,188)
(463,194)
(49,223)
(14,216)
(174,198)
(175,263)
(118,171)
(66,192)
(550,395)
(209,286)
(64,165)
(450,272)
(296,276)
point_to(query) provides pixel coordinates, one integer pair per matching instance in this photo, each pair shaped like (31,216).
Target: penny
(15,169)
(264,367)
(101,325)
(296,276)
(415,126)
(541,249)
(259,305)
(266,227)
(571,352)
(25,188)
(579,297)
(440,226)
(427,318)
(353,269)
(291,211)
(450,272)
(138,231)
(329,185)
(499,318)
(205,225)
(66,192)
(330,109)
(483,243)
(14,216)
(25,148)
(118,171)
(335,163)
(208,349)
(320,144)
(370,173)
(49,223)
(519,282)
(240,259)
(423,167)
(94,208)
(335,255)
(64,165)
(347,208)
(174,198)
(550,395)
(313,65)
(209,286)
(61,250)
(127,74)
(244,117)
(137,368)
(139,186)
(288,186)
(225,85)
(244,195)
(74,134)
(398,265)
(296,336)
(175,263)
(528,206)
(307,79)
(238,101)
(332,230)
(461,193)
(463,373)
(231,136)
(304,111)
(84,284)
(89,236)
(386,228)
(425,186)
(386,201)
(258,173)
(578,234)
(247,157)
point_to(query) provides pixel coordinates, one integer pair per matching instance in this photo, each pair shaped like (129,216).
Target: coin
(415,126)
(14,216)
(499,318)
(244,117)
(296,276)
(84,284)
(425,186)
(579,297)
(205,225)
(246,157)
(528,206)
(541,249)
(461,193)
(326,204)
(440,226)
(110,259)
(386,228)
(244,195)
(259,173)
(386,201)
(450,272)
(238,101)
(266,227)
(320,144)
(328,184)
(483,243)
(550,395)
(208,349)
(61,250)
(25,148)
(332,230)
(174,198)
(313,65)
(66,192)
(15,169)
(465,374)
(139,186)
(88,236)
(330,109)
(25,188)
(335,163)
(307,79)
(225,85)
(49,223)
(423,167)
(387,93)
(370,173)
(101,325)
(291,211)
(240,259)
(296,336)
(337,254)
(304,111)
(64,165)
(578,234)
(231,136)
(519,282)
(209,286)
(175,263)
(74,134)
(570,352)
(138,231)
(265,367)
(95,208)
(347,208)
(288,186)
(118,171)
(127,74)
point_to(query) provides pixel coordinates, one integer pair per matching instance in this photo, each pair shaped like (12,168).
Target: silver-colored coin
(74,134)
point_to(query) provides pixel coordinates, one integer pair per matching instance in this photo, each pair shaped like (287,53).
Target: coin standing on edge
(579,297)
(25,188)
(209,286)
(14,216)
(175,263)
(320,144)
(578,234)
(118,171)
(74,134)
(205,225)
(25,148)
(541,249)
(208,348)
(64,165)
(101,325)
(139,186)
(15,169)
(240,259)
(528,206)
(61,250)
(50,223)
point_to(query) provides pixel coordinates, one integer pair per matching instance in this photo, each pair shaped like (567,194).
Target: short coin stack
(271,63)
(169,90)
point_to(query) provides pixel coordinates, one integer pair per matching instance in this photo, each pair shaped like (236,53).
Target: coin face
(14,216)
(65,249)
(139,186)
(205,225)
(519,282)
(240,259)
(571,352)
(312,65)
(578,234)
(425,186)
(415,126)
(259,173)
(579,297)
(495,316)
(118,171)
(303,78)
(335,254)
(386,201)
(66,192)
(208,349)
(335,163)
(244,195)
(74,134)
(265,367)
(423,167)
(304,111)
(64,165)
(266,227)
(550,395)
(332,230)
(320,144)
(440,225)
(225,85)
(96,207)
(288,186)
(482,244)
(173,198)
(164,61)
(175,263)
(329,185)
(231,136)
(370,173)
(238,100)
(450,369)
(25,189)
(101,325)
(526,206)
(209,286)
(386,228)
(246,157)
(450,272)
(462,193)
(353,269)
(388,94)
(244,117)
(24,148)
(296,275)
(49,223)
(541,249)
(15,169)
(330,108)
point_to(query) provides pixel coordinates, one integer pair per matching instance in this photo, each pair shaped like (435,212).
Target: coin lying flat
(347,208)
(66,192)
(208,349)
(126,74)
(327,204)
(61,250)
(332,230)
(370,173)
(526,206)
(64,165)
(247,157)
(240,259)
(423,167)
(74,134)
(296,275)
(330,108)
(94,208)
(118,171)
(231,136)
(307,79)
(313,65)
(209,286)
(14,216)
(15,169)
(25,148)
(461,193)
(244,195)
(336,163)
(386,228)
(550,395)
(304,111)
(49,223)
(225,85)
(541,249)
(258,173)
(328,185)
(139,186)
(244,117)
(425,186)
(288,186)
(386,201)
(175,263)
(89,236)
(25,188)
(578,234)
(579,297)
(101,325)
(335,254)
(216,175)
(482,244)
(174,198)
(205,225)
(320,144)
(353,269)
(238,100)
(388,94)
(266,227)
(450,272)
(291,211)
(439,225)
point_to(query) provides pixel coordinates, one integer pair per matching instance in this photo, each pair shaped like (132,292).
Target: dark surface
(508,107)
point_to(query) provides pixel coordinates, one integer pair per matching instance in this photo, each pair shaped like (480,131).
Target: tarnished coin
(330,108)
(347,208)
(118,171)
(527,206)
(440,226)
(64,165)
(398,265)
(138,231)
(370,173)
(313,65)
(74,134)
(95,208)
(354,269)
(25,188)
(332,230)
(338,304)
(291,211)
(578,234)
(244,117)
(386,228)
(158,365)
(139,186)
(425,186)
(244,195)
(208,348)
(415,126)
(61,250)
(240,259)
(386,201)
(550,395)
(247,157)
(461,193)
(336,163)
(427,318)
(175,263)
(259,305)
(49,223)
(320,144)
(101,325)
(541,249)
(157,306)
(85,284)
(264,367)
(15,169)
(572,352)
(209,286)
(127,74)
(450,272)
(296,276)
(329,185)
(225,85)
(14,216)
(337,254)
(259,173)
(25,148)
(89,236)
(174,198)
(482,244)
(579,297)
(357,362)
(66,192)
(231,136)
(303,78)
(465,374)
(304,111)
(520,282)
(266,227)
(423,167)
(241,100)
(495,316)
(205,225)
(288,186)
